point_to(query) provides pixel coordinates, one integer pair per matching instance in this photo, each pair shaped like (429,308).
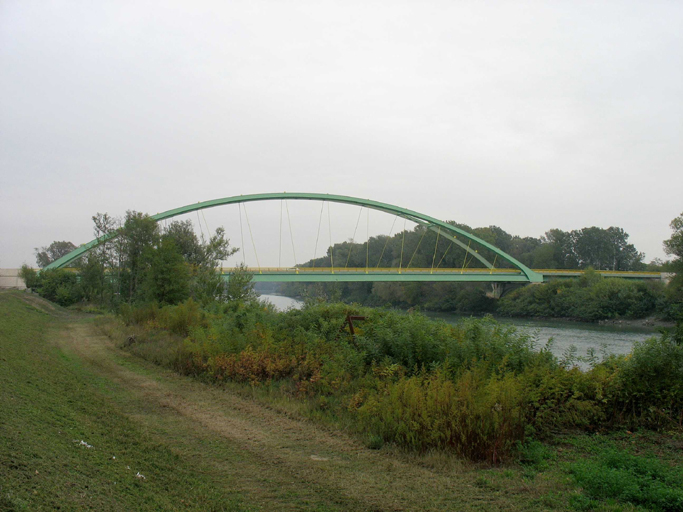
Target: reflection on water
(610,338)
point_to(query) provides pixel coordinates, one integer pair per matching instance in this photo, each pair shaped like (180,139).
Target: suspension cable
(329,227)
(436,246)
(244,252)
(348,257)
(416,248)
(470,260)
(199,221)
(444,254)
(291,233)
(320,221)
(465,260)
(494,265)
(279,254)
(367,240)
(208,231)
(387,241)
(403,241)
(251,234)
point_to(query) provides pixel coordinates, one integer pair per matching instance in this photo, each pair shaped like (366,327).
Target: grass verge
(65,444)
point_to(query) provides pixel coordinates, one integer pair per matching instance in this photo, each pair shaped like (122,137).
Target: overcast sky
(529,116)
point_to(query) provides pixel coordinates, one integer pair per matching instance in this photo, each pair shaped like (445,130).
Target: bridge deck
(312,274)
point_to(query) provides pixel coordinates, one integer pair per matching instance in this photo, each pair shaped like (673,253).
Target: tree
(93,278)
(166,273)
(138,233)
(204,257)
(674,247)
(240,285)
(623,255)
(46,255)
(605,249)
(563,248)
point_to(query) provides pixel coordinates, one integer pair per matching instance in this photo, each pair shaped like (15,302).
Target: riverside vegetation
(590,299)
(478,388)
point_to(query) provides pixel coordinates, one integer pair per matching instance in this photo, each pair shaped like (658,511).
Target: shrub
(589,298)
(138,315)
(647,385)
(182,318)
(29,276)
(58,285)
(479,417)
(477,387)
(638,480)
(556,397)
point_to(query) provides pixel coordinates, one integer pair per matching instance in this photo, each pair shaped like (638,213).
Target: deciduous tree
(46,255)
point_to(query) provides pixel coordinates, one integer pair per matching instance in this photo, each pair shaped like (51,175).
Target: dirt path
(283,454)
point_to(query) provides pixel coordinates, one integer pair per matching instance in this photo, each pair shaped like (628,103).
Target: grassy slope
(49,403)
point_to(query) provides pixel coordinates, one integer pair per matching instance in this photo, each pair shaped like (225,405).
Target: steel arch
(449,231)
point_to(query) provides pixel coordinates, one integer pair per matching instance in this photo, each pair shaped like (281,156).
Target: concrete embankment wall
(9,278)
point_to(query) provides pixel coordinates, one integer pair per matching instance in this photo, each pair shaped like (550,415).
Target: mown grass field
(50,402)
(205,447)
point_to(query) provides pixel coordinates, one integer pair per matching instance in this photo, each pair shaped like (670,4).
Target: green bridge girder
(344,275)
(453,233)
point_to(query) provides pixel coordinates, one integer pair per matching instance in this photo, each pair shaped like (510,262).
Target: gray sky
(529,116)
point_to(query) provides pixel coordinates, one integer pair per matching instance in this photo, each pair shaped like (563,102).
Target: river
(608,338)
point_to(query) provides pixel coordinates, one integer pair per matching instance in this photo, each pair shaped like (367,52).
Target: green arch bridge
(515,271)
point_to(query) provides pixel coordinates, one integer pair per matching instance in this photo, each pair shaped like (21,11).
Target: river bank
(560,335)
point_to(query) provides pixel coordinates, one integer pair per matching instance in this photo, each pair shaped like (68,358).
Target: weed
(639,480)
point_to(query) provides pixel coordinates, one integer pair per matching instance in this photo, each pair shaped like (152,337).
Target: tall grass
(477,387)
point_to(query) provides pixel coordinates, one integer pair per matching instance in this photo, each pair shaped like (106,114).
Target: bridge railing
(546,273)
(372,270)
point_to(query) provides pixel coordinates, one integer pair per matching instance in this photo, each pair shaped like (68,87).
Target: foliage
(167,276)
(674,247)
(46,255)
(478,388)
(94,281)
(58,285)
(240,286)
(477,416)
(590,247)
(647,386)
(642,481)
(29,276)
(589,298)
(139,262)
(139,233)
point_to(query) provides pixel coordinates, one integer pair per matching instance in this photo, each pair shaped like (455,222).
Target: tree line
(138,261)
(586,248)
(599,248)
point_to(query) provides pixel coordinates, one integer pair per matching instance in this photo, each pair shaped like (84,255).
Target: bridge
(346,275)
(491,264)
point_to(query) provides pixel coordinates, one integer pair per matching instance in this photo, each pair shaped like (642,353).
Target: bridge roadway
(484,275)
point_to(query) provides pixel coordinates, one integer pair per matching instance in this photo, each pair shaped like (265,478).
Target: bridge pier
(497,291)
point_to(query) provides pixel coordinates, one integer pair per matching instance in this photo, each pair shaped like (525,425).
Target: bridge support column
(497,291)
(500,289)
